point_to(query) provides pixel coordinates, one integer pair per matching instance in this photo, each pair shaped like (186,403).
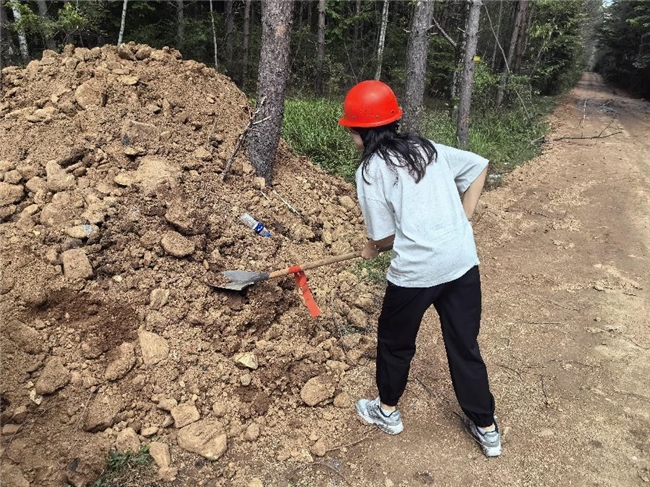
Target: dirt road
(565,262)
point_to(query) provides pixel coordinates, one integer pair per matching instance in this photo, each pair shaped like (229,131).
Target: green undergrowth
(507,137)
(127,469)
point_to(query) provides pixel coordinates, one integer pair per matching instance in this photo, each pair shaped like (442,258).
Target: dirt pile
(114,217)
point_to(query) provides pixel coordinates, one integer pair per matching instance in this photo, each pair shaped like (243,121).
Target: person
(419,197)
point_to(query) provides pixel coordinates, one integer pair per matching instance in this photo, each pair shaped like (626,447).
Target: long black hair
(408,150)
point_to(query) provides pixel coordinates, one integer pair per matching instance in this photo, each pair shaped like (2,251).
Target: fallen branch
(249,125)
(320,464)
(442,31)
(592,137)
(288,205)
(348,445)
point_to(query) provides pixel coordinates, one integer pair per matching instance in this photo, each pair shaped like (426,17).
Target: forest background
(527,52)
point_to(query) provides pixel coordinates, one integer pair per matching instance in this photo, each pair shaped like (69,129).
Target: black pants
(458,304)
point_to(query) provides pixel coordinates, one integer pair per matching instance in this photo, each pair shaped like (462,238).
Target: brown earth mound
(114,217)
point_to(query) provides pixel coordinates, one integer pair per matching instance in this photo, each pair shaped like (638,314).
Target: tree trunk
(120,36)
(247,35)
(42,10)
(467,78)
(496,37)
(214,37)
(263,138)
(357,10)
(460,52)
(180,24)
(416,65)
(382,39)
(7,47)
(230,30)
(521,10)
(321,47)
(522,39)
(22,38)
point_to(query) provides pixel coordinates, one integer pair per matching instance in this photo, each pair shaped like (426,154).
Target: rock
(245,380)
(185,414)
(347,202)
(246,359)
(10,429)
(255,482)
(12,476)
(219,409)
(81,231)
(129,80)
(125,52)
(177,216)
(154,347)
(42,115)
(252,432)
(19,415)
(358,318)
(102,412)
(343,400)
(203,154)
(319,448)
(127,440)
(35,184)
(175,244)
(336,366)
(10,193)
(143,53)
(53,377)
(160,453)
(35,398)
(158,298)
(259,183)
(318,389)
(149,431)
(122,361)
(91,93)
(167,474)
(167,404)
(139,133)
(206,438)
(545,433)
(27,339)
(57,178)
(76,264)
(13,177)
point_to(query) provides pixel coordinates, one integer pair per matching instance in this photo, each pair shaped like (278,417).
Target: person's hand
(370,250)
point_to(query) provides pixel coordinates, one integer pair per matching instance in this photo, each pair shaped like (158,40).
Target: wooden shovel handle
(318,263)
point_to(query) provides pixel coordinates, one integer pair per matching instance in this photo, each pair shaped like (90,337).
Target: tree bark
(264,136)
(180,24)
(230,30)
(120,36)
(467,78)
(496,39)
(247,27)
(522,37)
(416,65)
(22,38)
(521,10)
(321,47)
(382,39)
(357,10)
(7,47)
(42,10)
(214,36)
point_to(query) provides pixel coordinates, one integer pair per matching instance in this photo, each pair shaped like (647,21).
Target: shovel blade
(239,280)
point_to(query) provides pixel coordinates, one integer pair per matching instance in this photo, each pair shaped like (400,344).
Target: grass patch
(127,469)
(311,128)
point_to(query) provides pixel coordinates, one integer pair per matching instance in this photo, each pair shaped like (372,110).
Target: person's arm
(472,194)
(371,249)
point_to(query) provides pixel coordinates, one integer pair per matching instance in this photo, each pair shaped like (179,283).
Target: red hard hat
(370,104)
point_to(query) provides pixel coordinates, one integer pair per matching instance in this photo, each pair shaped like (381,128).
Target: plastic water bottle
(258,227)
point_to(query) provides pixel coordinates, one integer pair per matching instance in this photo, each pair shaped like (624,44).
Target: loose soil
(115,218)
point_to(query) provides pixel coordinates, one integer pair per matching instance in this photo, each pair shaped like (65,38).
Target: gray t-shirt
(434,242)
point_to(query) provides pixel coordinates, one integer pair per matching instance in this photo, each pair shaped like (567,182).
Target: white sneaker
(370,412)
(490,441)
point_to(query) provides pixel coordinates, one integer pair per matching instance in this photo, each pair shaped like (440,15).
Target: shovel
(240,280)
